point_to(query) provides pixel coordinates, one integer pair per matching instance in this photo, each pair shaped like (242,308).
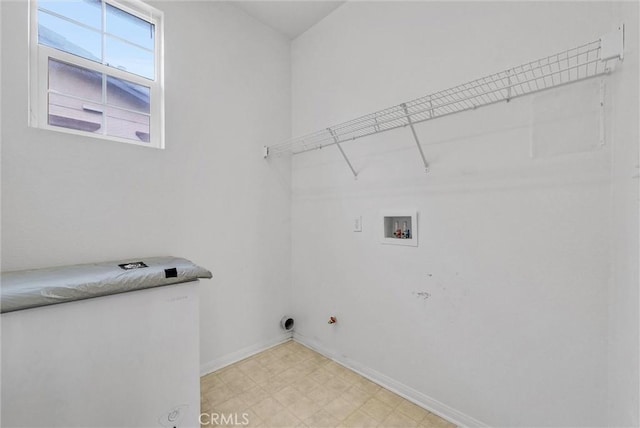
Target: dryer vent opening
(287,323)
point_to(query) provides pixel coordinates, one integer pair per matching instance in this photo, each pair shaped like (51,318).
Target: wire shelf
(573,65)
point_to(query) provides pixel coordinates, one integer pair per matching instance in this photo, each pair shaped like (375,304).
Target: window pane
(127,57)
(73,113)
(77,81)
(129,27)
(88,12)
(128,95)
(126,124)
(66,36)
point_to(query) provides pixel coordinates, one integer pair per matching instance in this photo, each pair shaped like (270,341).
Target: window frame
(39,75)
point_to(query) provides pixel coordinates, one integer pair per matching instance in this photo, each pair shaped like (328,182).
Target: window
(96,69)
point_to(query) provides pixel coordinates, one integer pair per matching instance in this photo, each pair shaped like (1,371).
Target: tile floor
(292,386)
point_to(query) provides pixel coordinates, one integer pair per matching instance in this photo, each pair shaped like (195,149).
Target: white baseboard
(434,406)
(234,357)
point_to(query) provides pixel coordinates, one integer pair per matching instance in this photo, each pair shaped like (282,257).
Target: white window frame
(39,74)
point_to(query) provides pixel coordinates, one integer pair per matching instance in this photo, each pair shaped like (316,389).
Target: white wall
(623,292)
(533,310)
(78,365)
(70,199)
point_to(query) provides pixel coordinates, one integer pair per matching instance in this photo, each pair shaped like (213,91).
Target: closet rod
(573,65)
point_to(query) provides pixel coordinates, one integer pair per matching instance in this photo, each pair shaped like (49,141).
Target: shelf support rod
(415,137)
(335,138)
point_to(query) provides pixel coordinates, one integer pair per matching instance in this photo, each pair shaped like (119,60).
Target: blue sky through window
(129,40)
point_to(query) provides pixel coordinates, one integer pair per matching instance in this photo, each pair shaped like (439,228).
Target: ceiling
(290,18)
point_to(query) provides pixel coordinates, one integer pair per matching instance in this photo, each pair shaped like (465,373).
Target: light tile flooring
(292,386)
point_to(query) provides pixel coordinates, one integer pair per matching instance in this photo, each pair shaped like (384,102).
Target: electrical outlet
(357,224)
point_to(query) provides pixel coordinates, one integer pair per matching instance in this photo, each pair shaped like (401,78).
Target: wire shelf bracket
(337,142)
(415,137)
(586,61)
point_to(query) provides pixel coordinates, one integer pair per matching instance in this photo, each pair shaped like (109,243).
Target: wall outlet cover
(357,224)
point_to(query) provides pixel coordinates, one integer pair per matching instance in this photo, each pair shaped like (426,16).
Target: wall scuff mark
(422,294)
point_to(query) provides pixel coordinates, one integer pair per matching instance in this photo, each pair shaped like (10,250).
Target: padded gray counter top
(41,287)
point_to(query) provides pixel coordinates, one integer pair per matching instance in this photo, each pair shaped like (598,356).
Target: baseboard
(434,406)
(241,354)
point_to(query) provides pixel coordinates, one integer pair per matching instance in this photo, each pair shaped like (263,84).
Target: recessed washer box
(399,227)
